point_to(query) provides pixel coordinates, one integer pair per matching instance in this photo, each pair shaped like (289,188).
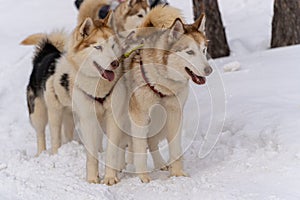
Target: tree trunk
(215,32)
(286,23)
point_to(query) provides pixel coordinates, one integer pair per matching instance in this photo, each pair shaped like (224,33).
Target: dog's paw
(94,180)
(164,168)
(145,178)
(54,151)
(110,181)
(178,173)
(37,154)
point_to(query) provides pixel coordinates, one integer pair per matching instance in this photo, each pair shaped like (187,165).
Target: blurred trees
(215,32)
(286,23)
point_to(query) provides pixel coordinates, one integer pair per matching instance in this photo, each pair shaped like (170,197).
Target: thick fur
(165,56)
(90,8)
(162,16)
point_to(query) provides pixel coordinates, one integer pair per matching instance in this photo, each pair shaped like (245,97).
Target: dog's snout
(115,64)
(208,70)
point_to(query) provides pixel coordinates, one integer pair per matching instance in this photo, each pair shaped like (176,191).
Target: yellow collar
(128,53)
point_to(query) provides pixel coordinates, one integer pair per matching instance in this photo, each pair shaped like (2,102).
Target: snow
(257,155)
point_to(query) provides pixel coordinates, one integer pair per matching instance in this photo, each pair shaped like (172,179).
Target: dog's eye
(140,16)
(191,52)
(113,46)
(204,50)
(99,47)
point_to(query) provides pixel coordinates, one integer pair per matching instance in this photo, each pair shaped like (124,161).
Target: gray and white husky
(158,74)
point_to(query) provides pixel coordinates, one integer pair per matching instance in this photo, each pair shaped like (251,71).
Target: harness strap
(146,79)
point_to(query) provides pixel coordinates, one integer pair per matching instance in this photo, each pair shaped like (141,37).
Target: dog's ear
(128,41)
(148,2)
(200,23)
(86,27)
(109,20)
(131,37)
(177,30)
(130,3)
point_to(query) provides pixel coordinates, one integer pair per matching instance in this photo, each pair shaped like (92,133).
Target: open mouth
(197,79)
(107,74)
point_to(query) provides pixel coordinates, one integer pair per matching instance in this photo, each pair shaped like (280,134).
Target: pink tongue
(198,80)
(109,75)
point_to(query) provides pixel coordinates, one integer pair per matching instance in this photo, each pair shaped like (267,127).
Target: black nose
(208,70)
(115,64)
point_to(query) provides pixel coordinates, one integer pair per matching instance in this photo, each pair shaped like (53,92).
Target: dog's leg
(139,133)
(55,116)
(92,166)
(158,161)
(140,158)
(39,120)
(100,147)
(174,125)
(68,127)
(121,156)
(130,152)
(86,113)
(90,137)
(114,136)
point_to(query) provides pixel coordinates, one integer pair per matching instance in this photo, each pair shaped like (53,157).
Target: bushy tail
(57,38)
(90,8)
(33,39)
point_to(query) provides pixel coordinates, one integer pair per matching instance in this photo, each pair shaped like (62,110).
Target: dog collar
(98,99)
(146,79)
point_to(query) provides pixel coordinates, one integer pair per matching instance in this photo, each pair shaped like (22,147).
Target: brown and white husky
(158,74)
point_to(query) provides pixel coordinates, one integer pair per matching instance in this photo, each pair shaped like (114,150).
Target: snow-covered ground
(256,157)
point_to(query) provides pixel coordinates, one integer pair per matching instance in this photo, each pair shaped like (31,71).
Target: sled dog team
(108,75)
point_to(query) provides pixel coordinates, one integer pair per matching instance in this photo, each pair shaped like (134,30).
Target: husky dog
(130,14)
(79,80)
(46,56)
(46,44)
(159,74)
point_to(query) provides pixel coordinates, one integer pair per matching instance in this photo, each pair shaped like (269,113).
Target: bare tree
(286,23)
(218,46)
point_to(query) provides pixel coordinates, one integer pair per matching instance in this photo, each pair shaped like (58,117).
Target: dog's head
(134,13)
(95,48)
(188,48)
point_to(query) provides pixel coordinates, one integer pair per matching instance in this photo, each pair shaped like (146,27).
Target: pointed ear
(148,2)
(130,3)
(177,30)
(109,19)
(200,23)
(131,35)
(86,27)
